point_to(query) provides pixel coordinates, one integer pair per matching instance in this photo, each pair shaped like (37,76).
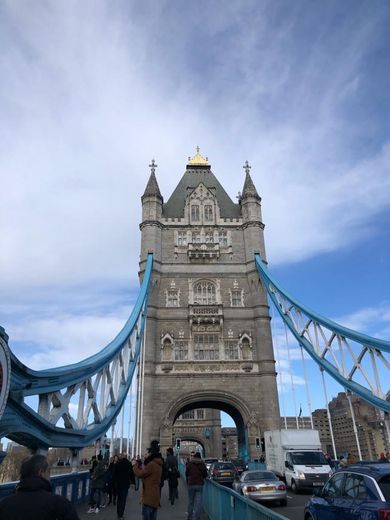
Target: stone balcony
(199,314)
(203,251)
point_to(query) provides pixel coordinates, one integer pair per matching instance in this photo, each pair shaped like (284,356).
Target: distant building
(200,426)
(321,423)
(369,423)
(229,443)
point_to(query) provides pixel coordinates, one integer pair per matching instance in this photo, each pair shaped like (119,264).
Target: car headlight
(301,475)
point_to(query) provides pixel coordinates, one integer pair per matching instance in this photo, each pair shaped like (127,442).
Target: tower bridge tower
(208,341)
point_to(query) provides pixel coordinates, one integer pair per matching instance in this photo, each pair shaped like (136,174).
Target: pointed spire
(152,189)
(249,189)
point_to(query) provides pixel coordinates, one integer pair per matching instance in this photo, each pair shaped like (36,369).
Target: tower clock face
(5,373)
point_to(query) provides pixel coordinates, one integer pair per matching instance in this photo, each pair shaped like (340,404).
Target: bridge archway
(196,439)
(246,424)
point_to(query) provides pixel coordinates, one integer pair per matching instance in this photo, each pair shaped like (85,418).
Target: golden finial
(198,160)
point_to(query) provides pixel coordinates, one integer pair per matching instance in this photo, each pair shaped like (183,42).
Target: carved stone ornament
(166,424)
(253,419)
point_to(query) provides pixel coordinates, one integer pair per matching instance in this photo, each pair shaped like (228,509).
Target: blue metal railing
(220,502)
(73,486)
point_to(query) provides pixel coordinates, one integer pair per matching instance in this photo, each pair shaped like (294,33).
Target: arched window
(204,293)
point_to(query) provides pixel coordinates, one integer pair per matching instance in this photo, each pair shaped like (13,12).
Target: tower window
(172,295)
(181,350)
(204,293)
(195,237)
(223,238)
(208,213)
(236,298)
(209,237)
(188,415)
(195,213)
(231,349)
(200,414)
(182,238)
(206,347)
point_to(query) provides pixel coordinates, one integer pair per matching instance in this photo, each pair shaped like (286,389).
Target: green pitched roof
(174,207)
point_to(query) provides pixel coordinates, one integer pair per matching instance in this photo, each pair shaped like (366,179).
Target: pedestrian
(97,485)
(150,472)
(33,498)
(122,477)
(382,457)
(343,461)
(172,475)
(351,459)
(196,472)
(111,488)
(137,479)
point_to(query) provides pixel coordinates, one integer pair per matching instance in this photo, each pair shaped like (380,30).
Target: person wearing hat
(150,472)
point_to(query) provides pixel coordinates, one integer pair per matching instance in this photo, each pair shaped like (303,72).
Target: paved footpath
(133,507)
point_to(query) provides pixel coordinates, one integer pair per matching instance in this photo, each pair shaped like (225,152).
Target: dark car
(239,465)
(262,486)
(223,472)
(359,491)
(209,461)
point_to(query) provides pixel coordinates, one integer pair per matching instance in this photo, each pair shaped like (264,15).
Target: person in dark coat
(98,482)
(122,477)
(172,475)
(111,488)
(33,498)
(196,472)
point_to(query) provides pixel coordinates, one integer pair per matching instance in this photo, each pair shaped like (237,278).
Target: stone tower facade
(208,338)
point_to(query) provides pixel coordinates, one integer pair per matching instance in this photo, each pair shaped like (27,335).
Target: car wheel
(283,502)
(294,487)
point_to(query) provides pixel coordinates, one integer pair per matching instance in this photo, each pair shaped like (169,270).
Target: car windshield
(384,484)
(223,465)
(260,475)
(308,458)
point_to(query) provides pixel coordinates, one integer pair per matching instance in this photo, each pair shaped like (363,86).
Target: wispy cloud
(90,92)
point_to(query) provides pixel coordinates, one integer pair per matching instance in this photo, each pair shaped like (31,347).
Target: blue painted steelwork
(222,502)
(323,338)
(105,376)
(73,486)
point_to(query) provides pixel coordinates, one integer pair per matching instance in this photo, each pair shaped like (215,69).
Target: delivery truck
(296,456)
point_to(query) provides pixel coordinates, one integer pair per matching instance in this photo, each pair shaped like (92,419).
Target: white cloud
(82,115)
(63,339)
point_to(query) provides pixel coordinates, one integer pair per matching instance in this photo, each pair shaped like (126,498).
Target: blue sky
(91,92)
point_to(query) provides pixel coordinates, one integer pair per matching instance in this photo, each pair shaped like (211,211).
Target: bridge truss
(358,362)
(74,405)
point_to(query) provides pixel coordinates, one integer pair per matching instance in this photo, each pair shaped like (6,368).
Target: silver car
(261,486)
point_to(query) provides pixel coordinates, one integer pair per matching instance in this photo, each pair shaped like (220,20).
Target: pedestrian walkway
(134,509)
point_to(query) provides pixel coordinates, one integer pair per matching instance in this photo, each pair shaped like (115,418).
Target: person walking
(98,483)
(196,472)
(150,472)
(112,492)
(33,498)
(351,459)
(172,475)
(382,457)
(122,477)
